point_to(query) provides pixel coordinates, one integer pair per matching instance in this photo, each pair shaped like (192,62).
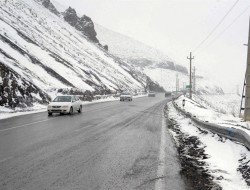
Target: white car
(65,104)
(126,96)
(151,94)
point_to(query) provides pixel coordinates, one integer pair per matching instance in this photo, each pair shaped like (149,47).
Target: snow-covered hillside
(126,47)
(44,51)
(159,67)
(135,52)
(226,103)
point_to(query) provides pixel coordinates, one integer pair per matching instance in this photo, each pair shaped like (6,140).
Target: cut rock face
(70,16)
(47,4)
(83,24)
(86,25)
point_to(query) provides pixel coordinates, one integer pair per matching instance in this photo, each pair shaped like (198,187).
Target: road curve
(113,145)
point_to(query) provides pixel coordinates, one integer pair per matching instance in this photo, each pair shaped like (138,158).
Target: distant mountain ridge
(135,52)
(153,63)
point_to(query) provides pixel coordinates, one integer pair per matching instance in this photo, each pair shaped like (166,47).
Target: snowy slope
(134,51)
(46,51)
(126,47)
(226,104)
(159,67)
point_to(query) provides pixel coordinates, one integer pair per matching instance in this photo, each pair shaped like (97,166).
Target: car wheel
(80,109)
(71,111)
(49,114)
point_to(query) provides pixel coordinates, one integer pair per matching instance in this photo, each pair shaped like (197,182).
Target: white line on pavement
(79,129)
(160,182)
(25,125)
(5,159)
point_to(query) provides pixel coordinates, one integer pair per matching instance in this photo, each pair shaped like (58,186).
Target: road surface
(113,145)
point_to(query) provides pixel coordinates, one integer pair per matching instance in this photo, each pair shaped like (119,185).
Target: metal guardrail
(228,132)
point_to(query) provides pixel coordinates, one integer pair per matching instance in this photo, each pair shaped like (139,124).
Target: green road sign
(188,86)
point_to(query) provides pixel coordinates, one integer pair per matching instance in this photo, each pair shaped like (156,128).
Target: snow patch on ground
(210,112)
(223,156)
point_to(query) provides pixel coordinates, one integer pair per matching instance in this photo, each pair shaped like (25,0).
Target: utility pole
(177,83)
(194,82)
(190,77)
(247,92)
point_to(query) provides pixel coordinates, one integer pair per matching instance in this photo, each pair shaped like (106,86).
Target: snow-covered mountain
(133,51)
(43,49)
(40,51)
(158,66)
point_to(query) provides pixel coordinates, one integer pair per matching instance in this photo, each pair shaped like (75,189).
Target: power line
(237,18)
(223,18)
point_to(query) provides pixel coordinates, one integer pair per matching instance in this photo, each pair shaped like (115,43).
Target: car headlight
(64,106)
(49,106)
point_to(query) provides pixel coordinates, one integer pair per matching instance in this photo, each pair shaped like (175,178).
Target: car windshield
(62,99)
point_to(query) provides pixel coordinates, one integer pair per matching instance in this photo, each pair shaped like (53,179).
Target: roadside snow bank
(224,161)
(205,113)
(7,112)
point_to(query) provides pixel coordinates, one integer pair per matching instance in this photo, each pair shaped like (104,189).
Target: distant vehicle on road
(65,104)
(126,96)
(151,94)
(167,94)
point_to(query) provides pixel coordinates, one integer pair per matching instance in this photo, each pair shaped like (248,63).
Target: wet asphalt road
(113,145)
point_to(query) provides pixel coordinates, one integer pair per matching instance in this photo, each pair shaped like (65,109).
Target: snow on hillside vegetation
(226,103)
(40,51)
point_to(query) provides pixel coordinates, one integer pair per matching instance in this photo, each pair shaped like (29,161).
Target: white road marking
(83,128)
(160,182)
(5,159)
(25,125)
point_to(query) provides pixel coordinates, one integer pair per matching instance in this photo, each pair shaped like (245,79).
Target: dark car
(167,94)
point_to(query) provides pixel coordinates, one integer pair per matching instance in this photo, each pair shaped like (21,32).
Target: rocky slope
(47,4)
(83,24)
(40,52)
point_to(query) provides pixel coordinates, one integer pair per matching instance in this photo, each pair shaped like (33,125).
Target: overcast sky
(177,27)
